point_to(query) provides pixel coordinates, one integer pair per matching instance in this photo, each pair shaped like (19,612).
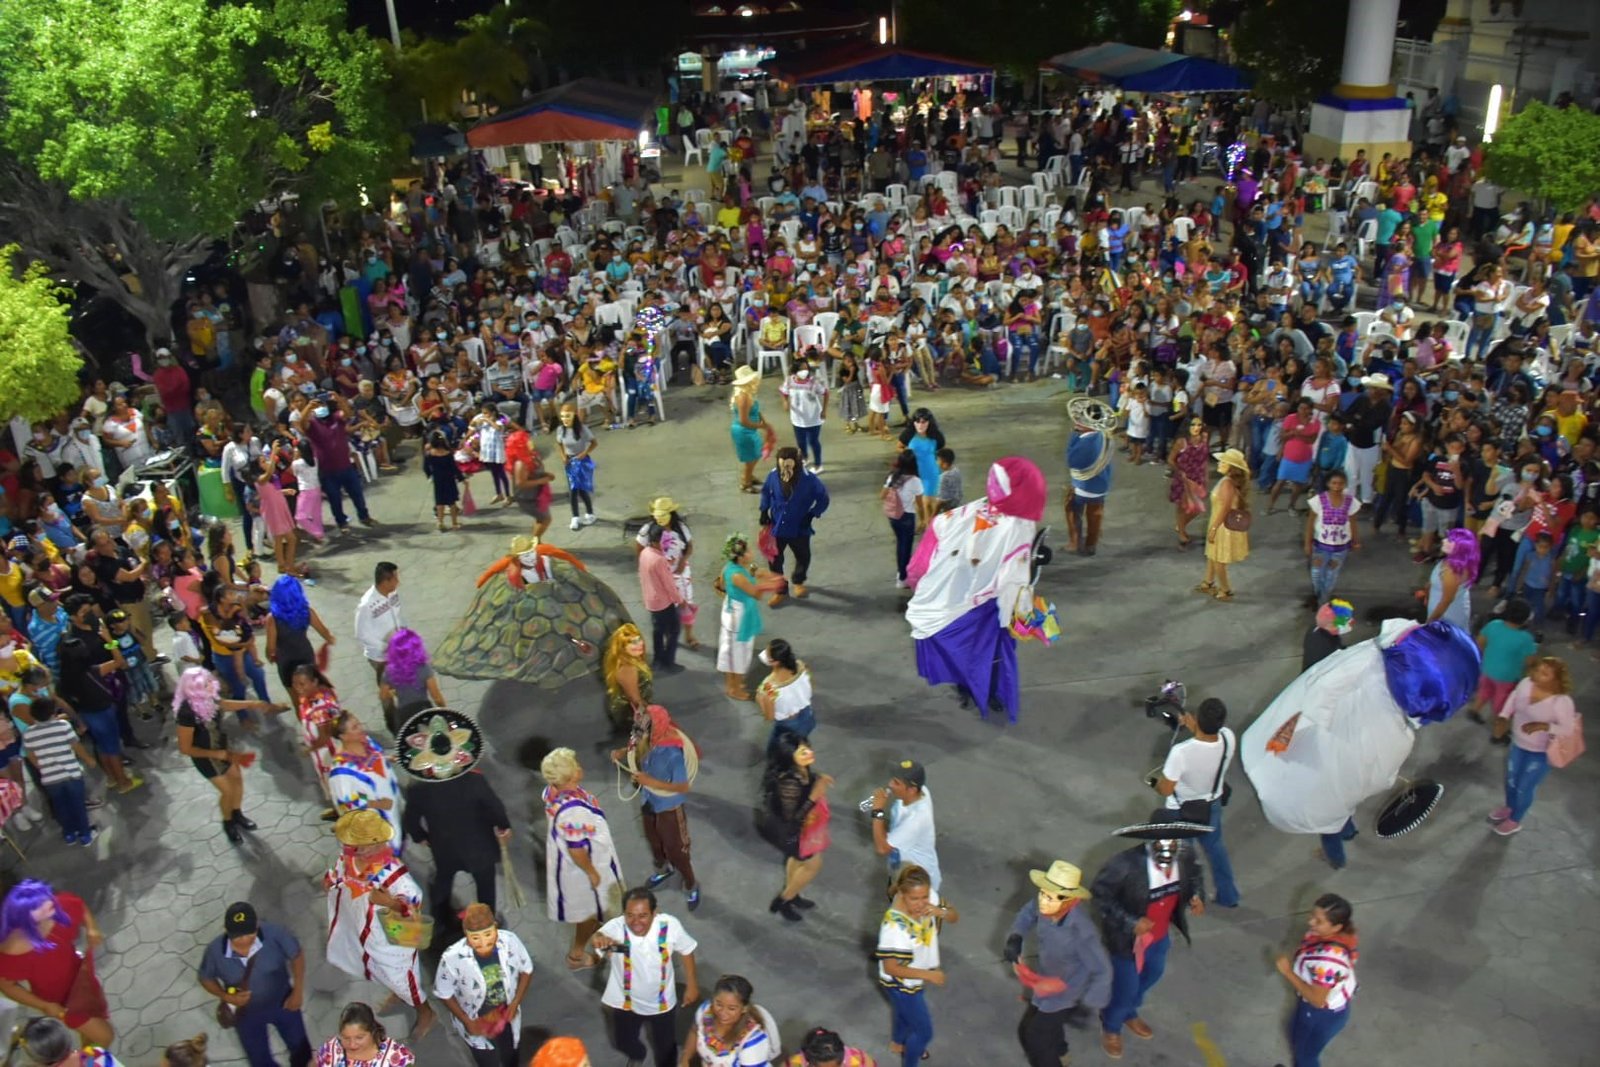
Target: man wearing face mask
(81,448)
(1141,894)
(173,386)
(328,432)
(89,657)
(1073,968)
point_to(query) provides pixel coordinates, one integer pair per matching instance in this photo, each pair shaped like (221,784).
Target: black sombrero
(438,744)
(1408,808)
(1165,824)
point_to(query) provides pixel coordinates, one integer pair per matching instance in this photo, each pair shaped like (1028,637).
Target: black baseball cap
(240,920)
(910,772)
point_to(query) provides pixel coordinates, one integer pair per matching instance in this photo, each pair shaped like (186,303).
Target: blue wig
(288,603)
(1432,671)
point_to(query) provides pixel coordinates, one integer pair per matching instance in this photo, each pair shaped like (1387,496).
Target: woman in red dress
(40,967)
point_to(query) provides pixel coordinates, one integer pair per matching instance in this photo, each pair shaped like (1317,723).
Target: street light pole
(394,25)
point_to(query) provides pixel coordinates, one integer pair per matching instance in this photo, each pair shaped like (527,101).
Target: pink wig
(198,688)
(405,657)
(1461,553)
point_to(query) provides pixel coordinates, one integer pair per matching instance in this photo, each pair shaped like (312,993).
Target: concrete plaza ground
(1475,949)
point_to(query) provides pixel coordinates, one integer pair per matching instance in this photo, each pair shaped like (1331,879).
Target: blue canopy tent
(877,63)
(1145,70)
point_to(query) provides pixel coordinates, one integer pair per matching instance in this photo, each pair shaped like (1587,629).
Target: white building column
(1362,111)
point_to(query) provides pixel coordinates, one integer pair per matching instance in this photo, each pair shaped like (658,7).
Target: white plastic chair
(1364,321)
(696,195)
(1046,180)
(804,337)
(1057,166)
(768,355)
(1379,328)
(895,195)
(927,291)
(1011,216)
(1056,354)
(1559,337)
(1457,332)
(695,148)
(1365,190)
(790,229)
(1006,196)
(989,217)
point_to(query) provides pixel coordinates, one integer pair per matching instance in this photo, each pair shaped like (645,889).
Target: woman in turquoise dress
(750,431)
(924,439)
(743,582)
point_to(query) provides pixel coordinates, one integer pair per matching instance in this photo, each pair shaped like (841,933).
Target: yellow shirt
(594,375)
(1570,426)
(11,586)
(11,679)
(728,217)
(1437,204)
(1558,240)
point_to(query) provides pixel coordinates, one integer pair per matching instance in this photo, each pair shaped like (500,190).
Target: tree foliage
(38,362)
(1017,34)
(1293,48)
(1548,152)
(494,55)
(136,132)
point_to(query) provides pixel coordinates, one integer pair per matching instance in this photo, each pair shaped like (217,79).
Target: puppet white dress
(969,571)
(1340,732)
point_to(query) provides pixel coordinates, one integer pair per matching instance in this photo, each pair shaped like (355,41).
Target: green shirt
(258,389)
(1422,237)
(1575,557)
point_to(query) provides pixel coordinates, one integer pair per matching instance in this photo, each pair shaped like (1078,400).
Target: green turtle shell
(548,633)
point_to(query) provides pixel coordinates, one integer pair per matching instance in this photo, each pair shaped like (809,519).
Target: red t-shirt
(49,974)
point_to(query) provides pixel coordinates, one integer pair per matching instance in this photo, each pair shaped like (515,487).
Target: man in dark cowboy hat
(1141,894)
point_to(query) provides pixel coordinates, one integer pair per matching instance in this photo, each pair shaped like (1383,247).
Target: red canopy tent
(589,109)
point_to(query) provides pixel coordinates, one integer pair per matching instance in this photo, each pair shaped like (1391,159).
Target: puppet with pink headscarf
(972,572)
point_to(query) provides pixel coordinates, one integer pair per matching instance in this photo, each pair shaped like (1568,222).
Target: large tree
(135,133)
(1293,48)
(39,363)
(495,55)
(1017,34)
(1550,153)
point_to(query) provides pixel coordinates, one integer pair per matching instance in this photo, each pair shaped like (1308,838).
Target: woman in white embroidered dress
(583,882)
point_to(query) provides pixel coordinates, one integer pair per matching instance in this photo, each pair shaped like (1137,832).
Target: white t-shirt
(185,651)
(1193,765)
(790,700)
(653,990)
(1138,415)
(911,834)
(305,475)
(909,490)
(805,399)
(1335,533)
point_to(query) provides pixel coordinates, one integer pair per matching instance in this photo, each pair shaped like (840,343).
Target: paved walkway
(1487,943)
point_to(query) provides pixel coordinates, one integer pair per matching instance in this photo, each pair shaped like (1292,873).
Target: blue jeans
(1524,771)
(334,486)
(912,1027)
(252,1028)
(1216,851)
(69,803)
(1260,430)
(1479,339)
(1326,563)
(1024,343)
(1160,433)
(1310,1030)
(1569,596)
(1129,984)
(1333,844)
(1339,294)
(235,680)
(1591,614)
(905,528)
(902,390)
(801,724)
(1269,473)
(1311,292)
(809,438)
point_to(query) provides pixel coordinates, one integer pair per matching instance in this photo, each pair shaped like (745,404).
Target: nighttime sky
(420,16)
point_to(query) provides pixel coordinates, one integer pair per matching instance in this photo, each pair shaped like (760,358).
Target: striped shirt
(49,745)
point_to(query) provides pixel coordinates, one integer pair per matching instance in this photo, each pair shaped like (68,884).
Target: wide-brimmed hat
(1164,824)
(438,744)
(745,376)
(365,826)
(523,543)
(1231,458)
(1377,381)
(1062,879)
(662,507)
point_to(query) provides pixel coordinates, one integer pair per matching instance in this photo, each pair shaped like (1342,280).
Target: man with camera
(1195,777)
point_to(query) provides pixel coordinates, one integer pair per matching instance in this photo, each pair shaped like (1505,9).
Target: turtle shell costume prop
(539,616)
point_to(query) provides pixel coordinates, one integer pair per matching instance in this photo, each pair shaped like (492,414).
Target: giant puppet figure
(971,571)
(1339,733)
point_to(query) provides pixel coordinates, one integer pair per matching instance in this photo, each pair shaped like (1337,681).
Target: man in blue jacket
(1073,967)
(1089,463)
(791,499)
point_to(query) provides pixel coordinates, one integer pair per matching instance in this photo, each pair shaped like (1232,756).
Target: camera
(1167,703)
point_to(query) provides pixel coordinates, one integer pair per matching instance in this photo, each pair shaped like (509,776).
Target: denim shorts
(544,394)
(103,731)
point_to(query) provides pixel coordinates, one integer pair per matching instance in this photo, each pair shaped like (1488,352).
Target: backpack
(893,506)
(1563,750)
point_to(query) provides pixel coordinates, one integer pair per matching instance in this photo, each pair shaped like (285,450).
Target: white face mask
(802,374)
(765,659)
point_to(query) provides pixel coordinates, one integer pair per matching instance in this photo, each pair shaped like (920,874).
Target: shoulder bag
(1199,809)
(227,1014)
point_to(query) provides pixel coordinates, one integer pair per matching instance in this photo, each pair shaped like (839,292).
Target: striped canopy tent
(1145,70)
(589,109)
(876,63)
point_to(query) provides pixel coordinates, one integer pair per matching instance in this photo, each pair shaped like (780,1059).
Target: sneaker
(1500,814)
(900,583)
(655,880)
(589,519)
(85,839)
(369,521)
(818,469)
(576,523)
(1507,827)
(693,899)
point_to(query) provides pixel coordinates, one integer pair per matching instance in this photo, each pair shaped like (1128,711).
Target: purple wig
(1461,553)
(406,656)
(17,912)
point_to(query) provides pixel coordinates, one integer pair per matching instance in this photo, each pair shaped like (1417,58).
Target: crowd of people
(489,316)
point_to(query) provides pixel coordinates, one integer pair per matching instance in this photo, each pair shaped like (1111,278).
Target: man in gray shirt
(1073,968)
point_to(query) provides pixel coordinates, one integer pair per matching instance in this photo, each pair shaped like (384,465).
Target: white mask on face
(765,659)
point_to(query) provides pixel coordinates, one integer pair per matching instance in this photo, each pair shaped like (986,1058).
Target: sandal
(691,644)
(1222,594)
(582,961)
(1208,588)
